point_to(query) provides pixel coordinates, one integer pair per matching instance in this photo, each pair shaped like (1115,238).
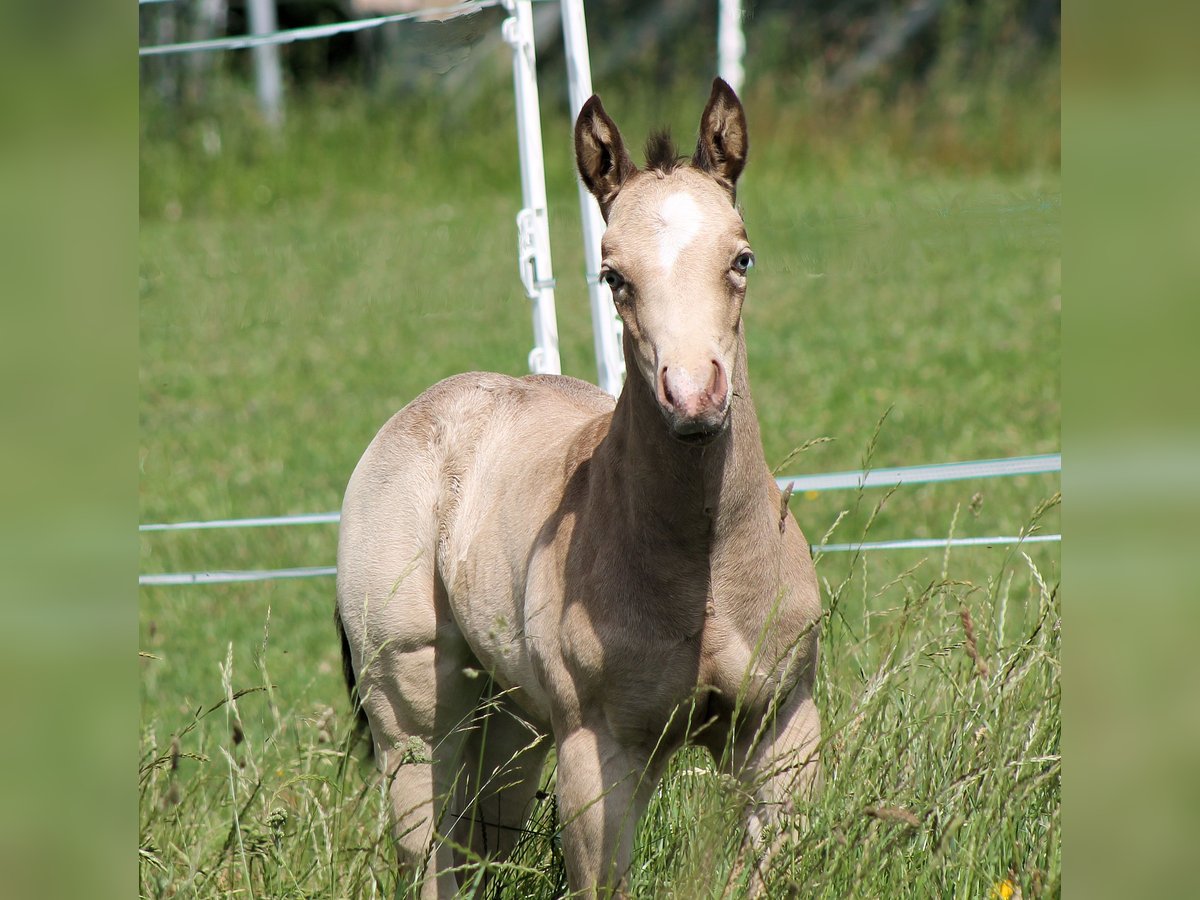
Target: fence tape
(178,578)
(315,32)
(956,471)
(263,522)
(982,468)
(935,543)
(170,578)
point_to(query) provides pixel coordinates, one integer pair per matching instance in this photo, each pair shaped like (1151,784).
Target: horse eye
(612,279)
(744,261)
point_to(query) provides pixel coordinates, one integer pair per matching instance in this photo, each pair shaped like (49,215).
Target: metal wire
(956,471)
(314,32)
(180,578)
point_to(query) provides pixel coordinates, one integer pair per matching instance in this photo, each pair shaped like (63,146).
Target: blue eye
(744,262)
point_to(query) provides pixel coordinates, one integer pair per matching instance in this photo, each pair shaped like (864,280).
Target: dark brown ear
(600,154)
(723,144)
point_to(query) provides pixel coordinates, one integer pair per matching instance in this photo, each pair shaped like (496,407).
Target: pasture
(297,290)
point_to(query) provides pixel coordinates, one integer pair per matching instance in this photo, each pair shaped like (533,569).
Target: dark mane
(661,154)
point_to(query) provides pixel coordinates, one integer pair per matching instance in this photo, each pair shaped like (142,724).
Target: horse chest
(634,674)
(751,662)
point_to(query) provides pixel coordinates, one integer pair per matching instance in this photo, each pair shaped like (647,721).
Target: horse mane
(661,153)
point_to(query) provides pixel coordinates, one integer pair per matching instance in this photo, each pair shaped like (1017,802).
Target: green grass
(296,291)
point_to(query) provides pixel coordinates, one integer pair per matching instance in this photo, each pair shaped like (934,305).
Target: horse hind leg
(425,864)
(504,758)
(411,661)
(423,768)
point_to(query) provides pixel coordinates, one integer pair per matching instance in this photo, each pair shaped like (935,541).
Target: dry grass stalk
(981,667)
(892,814)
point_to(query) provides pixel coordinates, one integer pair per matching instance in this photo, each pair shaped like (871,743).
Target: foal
(519,560)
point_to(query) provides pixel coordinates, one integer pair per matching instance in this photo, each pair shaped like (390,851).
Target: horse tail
(362,728)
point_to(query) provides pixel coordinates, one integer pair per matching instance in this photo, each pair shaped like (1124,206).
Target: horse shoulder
(513,497)
(764,618)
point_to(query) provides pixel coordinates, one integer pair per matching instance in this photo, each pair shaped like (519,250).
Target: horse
(523,562)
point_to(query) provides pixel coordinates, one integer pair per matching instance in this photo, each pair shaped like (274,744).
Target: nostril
(717,385)
(666,387)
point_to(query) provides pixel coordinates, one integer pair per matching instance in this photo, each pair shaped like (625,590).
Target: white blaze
(680,223)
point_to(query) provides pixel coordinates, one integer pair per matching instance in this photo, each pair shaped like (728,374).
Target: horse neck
(682,495)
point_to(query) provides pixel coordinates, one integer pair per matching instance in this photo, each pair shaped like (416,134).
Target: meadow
(296,289)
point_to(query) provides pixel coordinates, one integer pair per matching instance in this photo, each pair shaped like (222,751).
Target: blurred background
(959,63)
(834,46)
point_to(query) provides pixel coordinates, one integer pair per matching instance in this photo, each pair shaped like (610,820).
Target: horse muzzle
(695,402)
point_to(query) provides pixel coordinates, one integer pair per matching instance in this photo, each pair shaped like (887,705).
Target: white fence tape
(957,471)
(171,578)
(179,578)
(304,519)
(935,543)
(315,32)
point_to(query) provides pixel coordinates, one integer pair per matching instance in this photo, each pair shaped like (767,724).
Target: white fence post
(267,74)
(533,229)
(731,44)
(606,326)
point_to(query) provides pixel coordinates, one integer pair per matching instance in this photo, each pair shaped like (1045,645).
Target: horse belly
(490,568)
(487,607)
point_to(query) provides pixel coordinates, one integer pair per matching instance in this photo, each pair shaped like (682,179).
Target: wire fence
(800,484)
(314,32)
(168,579)
(865,478)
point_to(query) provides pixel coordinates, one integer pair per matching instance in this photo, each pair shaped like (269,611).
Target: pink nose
(694,400)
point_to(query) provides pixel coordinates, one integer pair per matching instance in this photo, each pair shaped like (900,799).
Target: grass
(297,290)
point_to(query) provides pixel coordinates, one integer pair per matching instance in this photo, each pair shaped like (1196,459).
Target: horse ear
(604,165)
(723,144)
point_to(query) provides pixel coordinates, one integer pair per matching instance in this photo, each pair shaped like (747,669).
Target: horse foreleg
(503,763)
(603,790)
(778,765)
